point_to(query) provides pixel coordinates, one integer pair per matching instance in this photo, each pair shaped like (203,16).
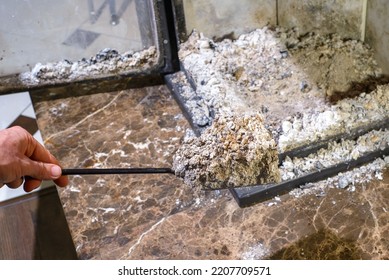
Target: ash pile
(309,89)
(235,151)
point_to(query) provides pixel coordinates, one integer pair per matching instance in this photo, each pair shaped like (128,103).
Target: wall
(377,31)
(356,19)
(335,16)
(216,18)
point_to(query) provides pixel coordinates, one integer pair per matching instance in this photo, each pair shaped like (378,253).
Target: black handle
(100,171)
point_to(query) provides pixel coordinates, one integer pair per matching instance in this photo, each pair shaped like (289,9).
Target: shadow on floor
(34,227)
(53,240)
(322,245)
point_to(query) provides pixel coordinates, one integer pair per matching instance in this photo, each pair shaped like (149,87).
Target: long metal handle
(100,171)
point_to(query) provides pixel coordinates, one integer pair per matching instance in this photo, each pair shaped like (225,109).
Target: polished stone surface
(158,217)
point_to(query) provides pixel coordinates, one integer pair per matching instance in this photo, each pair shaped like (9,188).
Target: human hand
(21,156)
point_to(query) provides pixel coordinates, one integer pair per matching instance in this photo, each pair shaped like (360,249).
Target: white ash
(233,151)
(200,111)
(347,114)
(290,79)
(349,180)
(107,61)
(345,150)
(276,72)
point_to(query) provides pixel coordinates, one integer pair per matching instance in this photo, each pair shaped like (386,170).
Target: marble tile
(158,217)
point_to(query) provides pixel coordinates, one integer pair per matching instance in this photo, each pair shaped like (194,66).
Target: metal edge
(248,196)
(305,150)
(176,89)
(169,37)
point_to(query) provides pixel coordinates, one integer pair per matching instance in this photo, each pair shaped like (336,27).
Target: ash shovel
(234,152)
(121,171)
(107,171)
(117,171)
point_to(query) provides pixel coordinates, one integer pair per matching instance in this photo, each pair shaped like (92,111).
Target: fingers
(38,171)
(31,184)
(37,152)
(23,155)
(62,181)
(16,183)
(43,171)
(48,166)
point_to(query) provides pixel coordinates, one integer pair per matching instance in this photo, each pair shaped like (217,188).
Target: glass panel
(218,18)
(42,31)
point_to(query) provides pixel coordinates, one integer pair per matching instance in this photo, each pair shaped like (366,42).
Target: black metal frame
(247,196)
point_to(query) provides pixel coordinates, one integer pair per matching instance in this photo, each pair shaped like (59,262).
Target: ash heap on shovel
(234,151)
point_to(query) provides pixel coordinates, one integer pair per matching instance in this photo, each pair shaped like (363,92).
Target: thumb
(41,171)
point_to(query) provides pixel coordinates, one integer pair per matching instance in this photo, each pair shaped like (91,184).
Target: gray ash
(107,61)
(234,151)
(293,81)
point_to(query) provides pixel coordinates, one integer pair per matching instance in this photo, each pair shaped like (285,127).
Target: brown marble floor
(158,217)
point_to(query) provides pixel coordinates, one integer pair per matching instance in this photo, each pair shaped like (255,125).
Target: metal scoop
(113,171)
(107,171)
